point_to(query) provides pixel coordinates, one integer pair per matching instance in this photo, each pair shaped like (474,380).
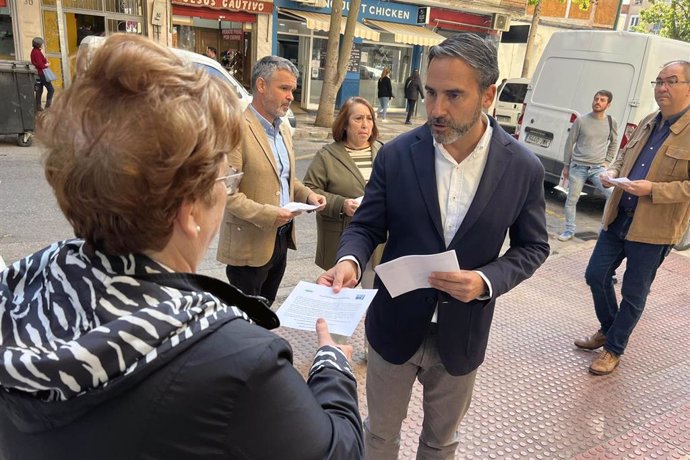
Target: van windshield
(513,93)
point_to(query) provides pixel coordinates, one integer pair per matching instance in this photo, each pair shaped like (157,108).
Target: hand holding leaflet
(294,206)
(618,180)
(408,273)
(309,301)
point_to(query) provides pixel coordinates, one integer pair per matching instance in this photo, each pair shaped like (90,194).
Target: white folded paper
(408,273)
(618,180)
(308,301)
(294,206)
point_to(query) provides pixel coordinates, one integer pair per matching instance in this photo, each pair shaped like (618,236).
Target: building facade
(239,30)
(64,23)
(387,35)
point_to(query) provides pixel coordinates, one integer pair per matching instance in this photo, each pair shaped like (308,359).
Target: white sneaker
(565,236)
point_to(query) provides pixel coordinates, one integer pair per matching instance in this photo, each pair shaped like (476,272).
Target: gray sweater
(594,142)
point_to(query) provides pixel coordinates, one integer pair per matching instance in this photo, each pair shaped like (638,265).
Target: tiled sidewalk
(534,397)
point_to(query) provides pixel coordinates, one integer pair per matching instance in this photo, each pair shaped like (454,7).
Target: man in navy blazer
(461,183)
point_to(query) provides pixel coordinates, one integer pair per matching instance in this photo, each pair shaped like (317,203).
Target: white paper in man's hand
(618,180)
(308,301)
(294,206)
(408,273)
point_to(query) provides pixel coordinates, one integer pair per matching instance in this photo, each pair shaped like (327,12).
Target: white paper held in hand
(408,273)
(308,301)
(618,180)
(294,206)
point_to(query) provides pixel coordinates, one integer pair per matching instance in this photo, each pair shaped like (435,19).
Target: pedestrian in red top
(39,61)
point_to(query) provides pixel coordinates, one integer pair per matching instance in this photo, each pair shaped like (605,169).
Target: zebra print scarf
(73,319)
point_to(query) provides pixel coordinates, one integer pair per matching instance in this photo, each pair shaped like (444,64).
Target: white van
(510,103)
(573,67)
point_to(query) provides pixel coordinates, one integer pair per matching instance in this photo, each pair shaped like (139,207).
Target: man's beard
(454,132)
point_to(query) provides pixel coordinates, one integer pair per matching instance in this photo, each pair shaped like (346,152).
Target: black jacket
(385,87)
(509,201)
(229,391)
(233,395)
(413,87)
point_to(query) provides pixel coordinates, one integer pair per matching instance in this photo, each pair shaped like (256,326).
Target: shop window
(186,38)
(124,26)
(6,36)
(318,68)
(130,7)
(516,34)
(376,57)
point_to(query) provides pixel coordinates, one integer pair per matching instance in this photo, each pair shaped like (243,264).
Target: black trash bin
(18,107)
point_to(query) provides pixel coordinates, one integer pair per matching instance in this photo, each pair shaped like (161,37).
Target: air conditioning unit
(500,22)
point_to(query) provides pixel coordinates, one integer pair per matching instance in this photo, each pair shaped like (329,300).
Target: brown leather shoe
(605,363)
(591,343)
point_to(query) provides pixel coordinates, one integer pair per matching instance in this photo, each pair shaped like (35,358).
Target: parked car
(210,65)
(510,103)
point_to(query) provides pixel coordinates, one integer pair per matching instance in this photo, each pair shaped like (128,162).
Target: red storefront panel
(460,21)
(228,10)
(208,13)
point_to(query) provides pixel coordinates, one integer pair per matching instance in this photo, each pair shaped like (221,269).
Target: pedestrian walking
(644,216)
(413,90)
(42,65)
(385,93)
(591,146)
(459,183)
(257,229)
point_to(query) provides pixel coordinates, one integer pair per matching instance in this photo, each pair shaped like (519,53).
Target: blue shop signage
(369,9)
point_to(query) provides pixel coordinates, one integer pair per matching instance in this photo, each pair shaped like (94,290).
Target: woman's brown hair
(137,134)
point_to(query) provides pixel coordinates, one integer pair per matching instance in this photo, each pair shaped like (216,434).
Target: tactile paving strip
(534,397)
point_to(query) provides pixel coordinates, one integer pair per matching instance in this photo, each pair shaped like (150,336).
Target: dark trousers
(618,320)
(411,104)
(39,92)
(264,280)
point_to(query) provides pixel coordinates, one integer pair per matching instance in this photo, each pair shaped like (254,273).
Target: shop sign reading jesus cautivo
(248,6)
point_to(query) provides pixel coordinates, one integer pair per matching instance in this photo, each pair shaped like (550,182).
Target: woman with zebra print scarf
(112,347)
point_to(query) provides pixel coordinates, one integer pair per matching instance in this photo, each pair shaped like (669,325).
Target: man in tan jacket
(643,217)
(257,230)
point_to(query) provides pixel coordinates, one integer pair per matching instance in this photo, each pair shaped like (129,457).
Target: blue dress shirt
(280,153)
(660,131)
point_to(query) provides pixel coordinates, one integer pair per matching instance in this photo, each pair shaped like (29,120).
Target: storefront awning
(319,21)
(406,33)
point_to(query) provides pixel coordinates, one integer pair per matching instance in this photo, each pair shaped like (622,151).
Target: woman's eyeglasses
(232,181)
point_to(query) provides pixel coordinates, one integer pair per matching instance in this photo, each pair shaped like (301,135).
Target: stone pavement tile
(534,397)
